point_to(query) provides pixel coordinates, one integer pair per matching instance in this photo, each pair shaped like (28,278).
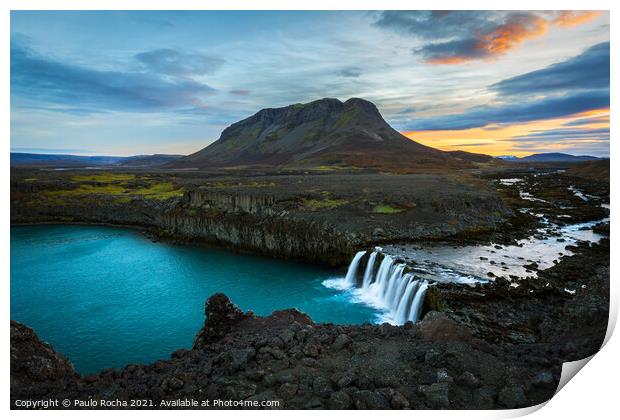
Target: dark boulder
(221,316)
(36,369)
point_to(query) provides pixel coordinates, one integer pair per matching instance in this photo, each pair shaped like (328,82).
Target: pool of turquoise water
(106,297)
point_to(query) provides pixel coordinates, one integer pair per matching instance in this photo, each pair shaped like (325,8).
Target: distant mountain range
(326,134)
(142,161)
(76,161)
(549,157)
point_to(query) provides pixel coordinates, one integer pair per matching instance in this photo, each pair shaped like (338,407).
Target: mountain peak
(362,104)
(314,109)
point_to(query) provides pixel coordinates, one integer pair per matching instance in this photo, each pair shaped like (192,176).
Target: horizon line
(60,153)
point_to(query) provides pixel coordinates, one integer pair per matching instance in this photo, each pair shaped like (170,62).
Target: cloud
(559,134)
(574,17)
(576,85)
(498,40)
(150,19)
(493,127)
(576,141)
(516,29)
(587,121)
(66,86)
(439,24)
(178,63)
(486,143)
(453,37)
(239,92)
(452,52)
(516,112)
(351,72)
(583,147)
(589,70)
(50,150)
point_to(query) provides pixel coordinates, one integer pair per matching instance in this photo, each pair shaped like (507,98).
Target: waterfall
(352,271)
(399,294)
(369,267)
(416,306)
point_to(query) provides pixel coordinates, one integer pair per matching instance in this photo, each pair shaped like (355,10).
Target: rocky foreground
(484,347)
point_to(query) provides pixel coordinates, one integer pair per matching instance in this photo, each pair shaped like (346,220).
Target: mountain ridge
(550,157)
(80,161)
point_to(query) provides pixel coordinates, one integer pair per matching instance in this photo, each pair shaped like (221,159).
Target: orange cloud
(600,112)
(575,17)
(456,59)
(517,28)
(512,33)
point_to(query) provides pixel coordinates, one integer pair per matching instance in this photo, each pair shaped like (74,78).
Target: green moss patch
(103,177)
(159,191)
(123,193)
(347,117)
(323,204)
(386,209)
(87,189)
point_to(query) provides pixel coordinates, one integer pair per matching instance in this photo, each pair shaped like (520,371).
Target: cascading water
(352,271)
(399,294)
(368,272)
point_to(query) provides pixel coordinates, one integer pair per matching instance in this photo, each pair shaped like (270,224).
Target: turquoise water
(106,297)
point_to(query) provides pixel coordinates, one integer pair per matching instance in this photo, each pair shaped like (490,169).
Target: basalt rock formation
(36,368)
(315,218)
(301,365)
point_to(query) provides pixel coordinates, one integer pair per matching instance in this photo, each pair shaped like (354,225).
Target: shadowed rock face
(326,132)
(220,317)
(35,366)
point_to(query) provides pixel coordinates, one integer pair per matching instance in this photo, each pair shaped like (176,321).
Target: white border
(592,394)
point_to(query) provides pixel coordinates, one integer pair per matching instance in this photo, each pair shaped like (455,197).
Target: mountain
(51,160)
(557,157)
(76,161)
(507,157)
(326,133)
(550,157)
(148,161)
(471,157)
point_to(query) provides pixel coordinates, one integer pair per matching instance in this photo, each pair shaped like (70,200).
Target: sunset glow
(500,140)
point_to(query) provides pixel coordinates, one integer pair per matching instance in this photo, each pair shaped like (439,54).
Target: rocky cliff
(321,219)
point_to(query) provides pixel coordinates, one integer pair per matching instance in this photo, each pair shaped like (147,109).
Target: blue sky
(122,83)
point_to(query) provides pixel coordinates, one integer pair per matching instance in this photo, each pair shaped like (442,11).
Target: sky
(142,82)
